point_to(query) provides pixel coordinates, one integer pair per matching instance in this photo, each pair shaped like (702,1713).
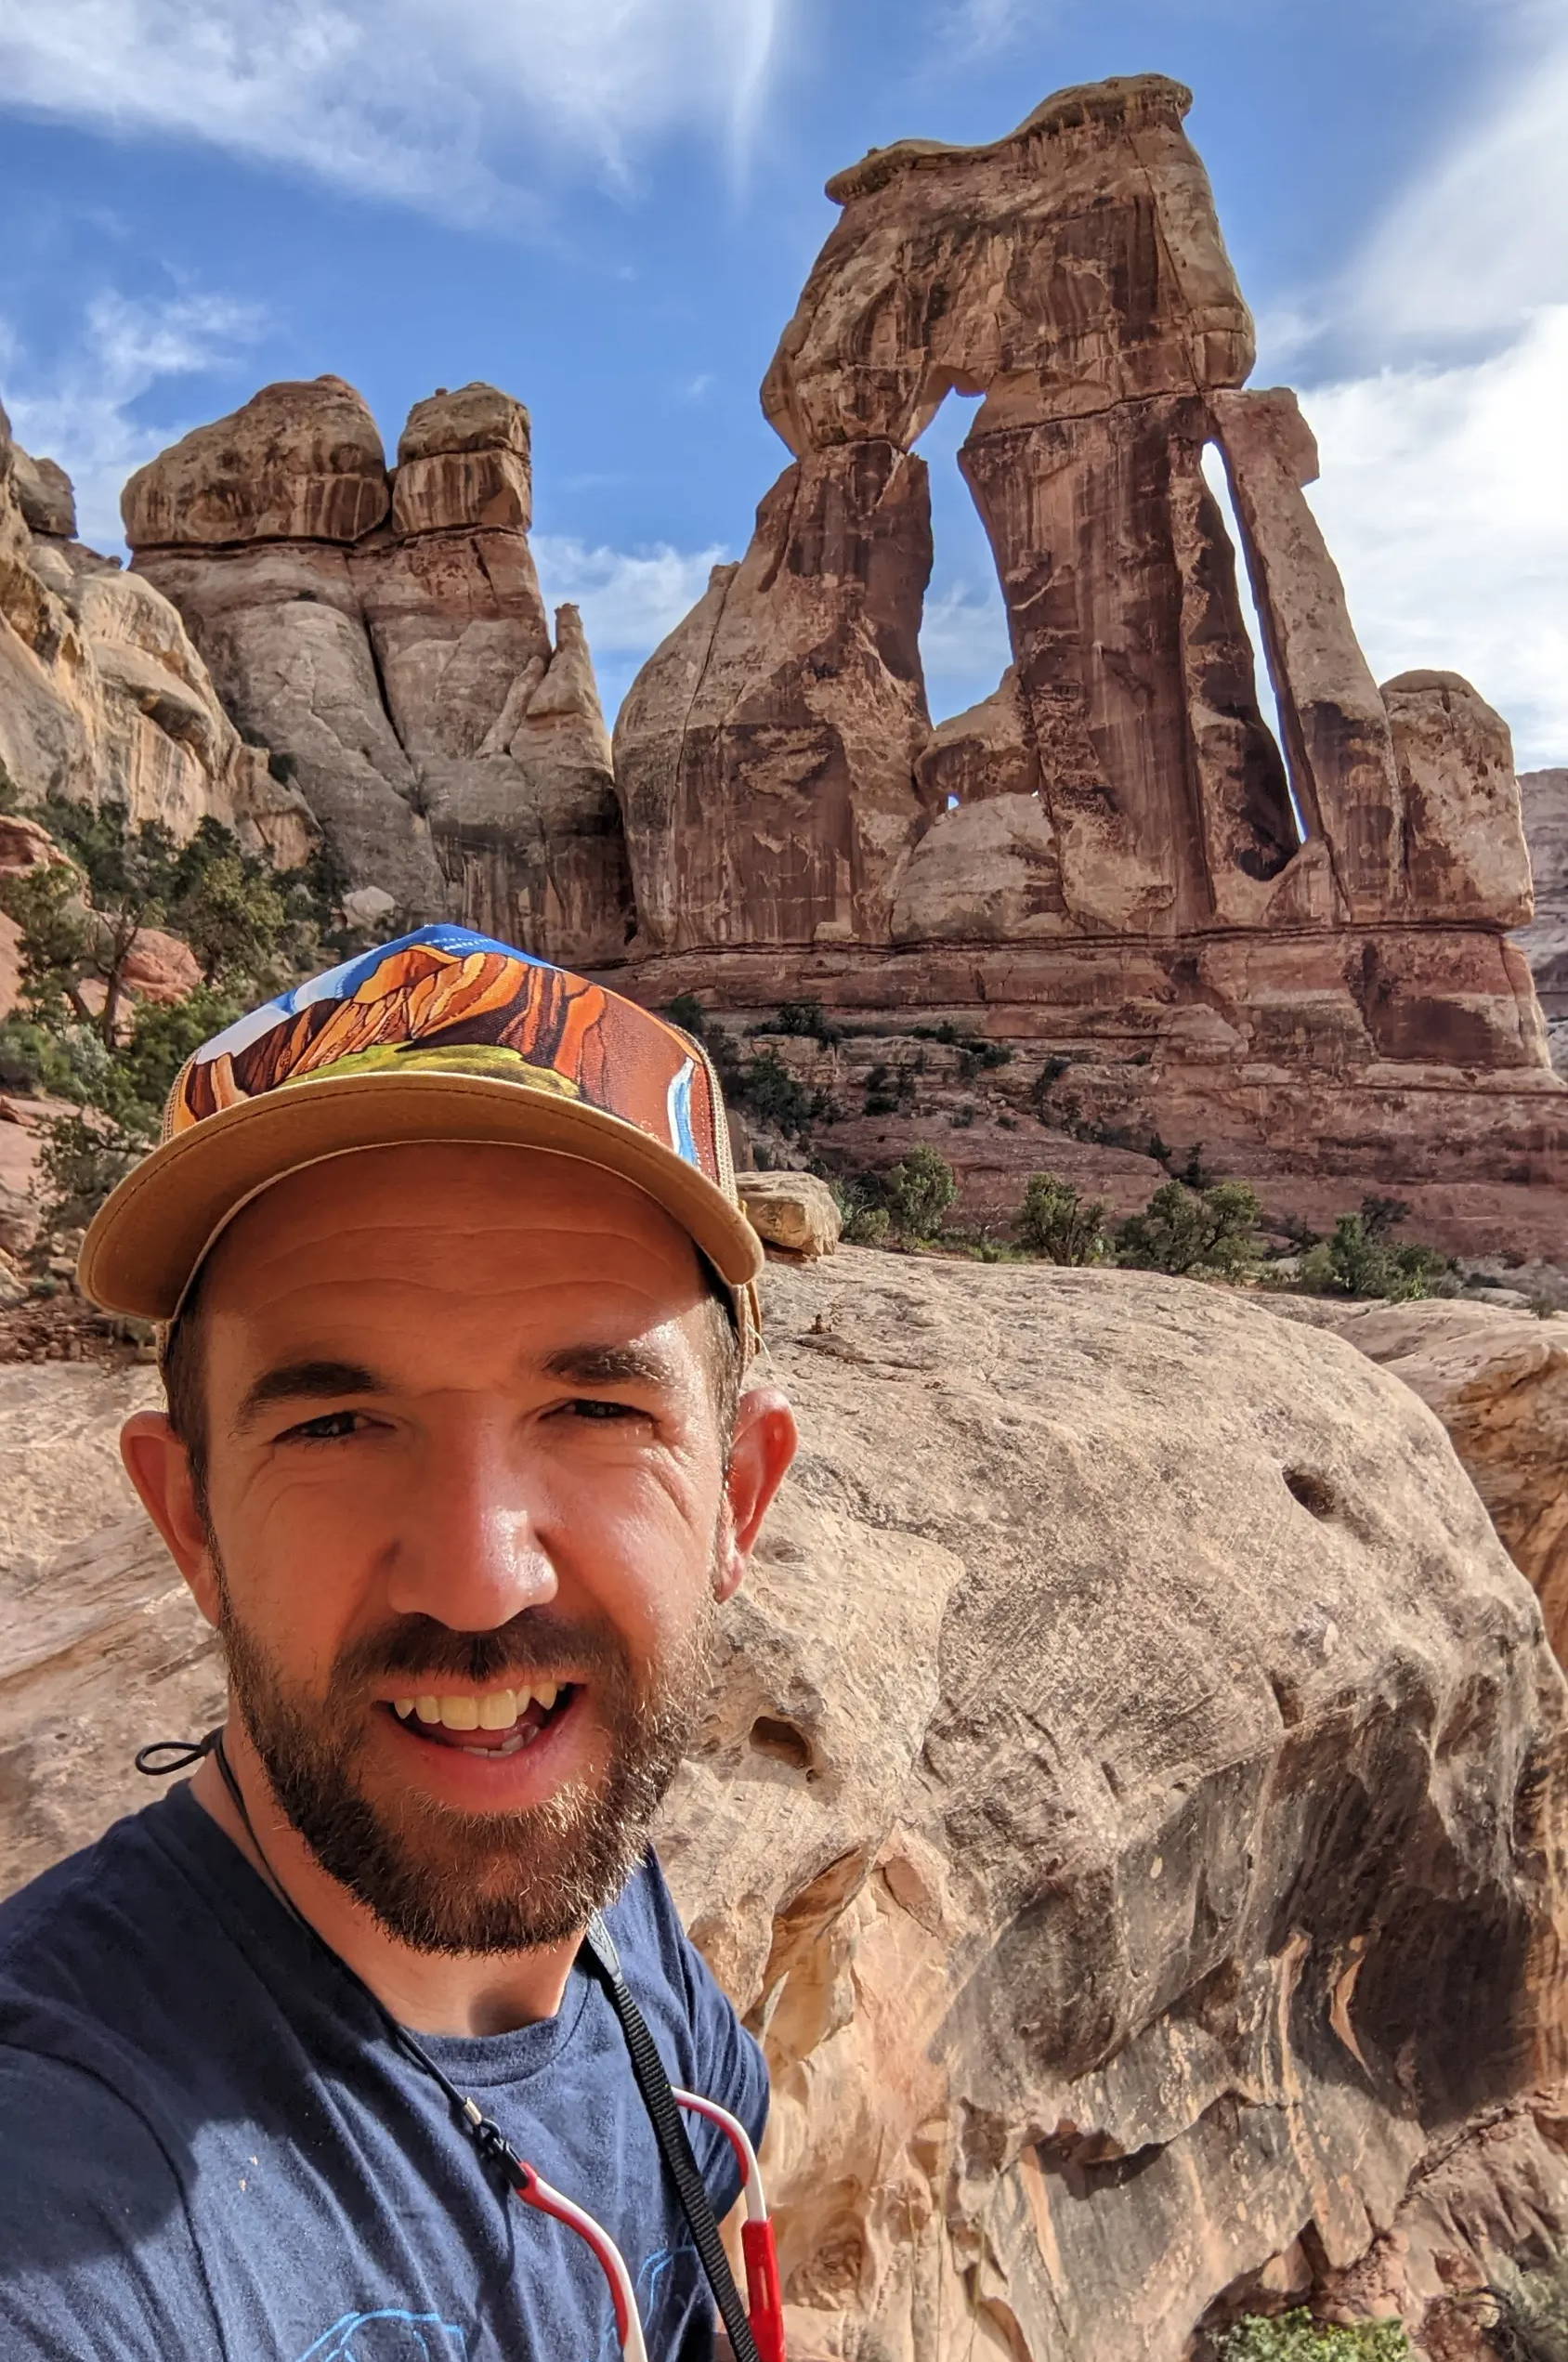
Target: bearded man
(460,1460)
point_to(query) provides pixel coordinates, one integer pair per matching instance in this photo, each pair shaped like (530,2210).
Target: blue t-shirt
(210,2147)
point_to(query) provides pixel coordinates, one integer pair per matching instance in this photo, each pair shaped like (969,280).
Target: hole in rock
(770,1736)
(1315,1492)
(964,644)
(1218,480)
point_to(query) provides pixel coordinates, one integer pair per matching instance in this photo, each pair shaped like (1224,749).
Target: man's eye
(589,1406)
(332,1427)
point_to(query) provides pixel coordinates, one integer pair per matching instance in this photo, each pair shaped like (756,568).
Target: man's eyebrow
(306,1381)
(634,1364)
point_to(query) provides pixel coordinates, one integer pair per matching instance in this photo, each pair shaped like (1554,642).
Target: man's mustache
(422,1651)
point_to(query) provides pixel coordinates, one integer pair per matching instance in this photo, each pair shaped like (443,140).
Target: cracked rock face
(385,632)
(103,695)
(1130,1809)
(1545,941)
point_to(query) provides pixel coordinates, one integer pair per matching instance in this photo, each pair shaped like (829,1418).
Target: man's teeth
(491,1710)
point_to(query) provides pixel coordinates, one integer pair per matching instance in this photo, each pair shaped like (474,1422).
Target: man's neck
(468,1993)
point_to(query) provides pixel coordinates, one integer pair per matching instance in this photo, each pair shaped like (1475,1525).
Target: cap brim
(147,1239)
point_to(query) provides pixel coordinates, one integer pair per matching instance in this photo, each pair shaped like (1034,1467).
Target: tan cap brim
(147,1239)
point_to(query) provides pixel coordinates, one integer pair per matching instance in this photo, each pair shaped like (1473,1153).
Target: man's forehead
(433,1210)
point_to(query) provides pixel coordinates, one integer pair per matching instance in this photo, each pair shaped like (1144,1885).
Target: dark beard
(444,1881)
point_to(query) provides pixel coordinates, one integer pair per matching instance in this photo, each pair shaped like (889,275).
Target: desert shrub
(1209,1233)
(80,1160)
(861,1211)
(1055,1222)
(687,1012)
(917,1193)
(963,1117)
(1355,1260)
(1296,2337)
(806,1018)
(78,1036)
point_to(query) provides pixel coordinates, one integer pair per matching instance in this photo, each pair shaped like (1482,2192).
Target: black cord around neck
(496,2153)
(161,1760)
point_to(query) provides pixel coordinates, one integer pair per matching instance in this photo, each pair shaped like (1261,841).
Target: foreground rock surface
(1498,1378)
(1129,1809)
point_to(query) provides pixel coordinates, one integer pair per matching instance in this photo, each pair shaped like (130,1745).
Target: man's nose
(468,1551)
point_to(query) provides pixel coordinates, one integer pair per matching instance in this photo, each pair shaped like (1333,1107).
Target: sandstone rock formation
(1296,951)
(1544,943)
(795,1211)
(1498,1378)
(385,632)
(764,756)
(102,695)
(1130,1808)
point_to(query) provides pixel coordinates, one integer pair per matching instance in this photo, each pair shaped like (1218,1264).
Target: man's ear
(158,1466)
(765,1438)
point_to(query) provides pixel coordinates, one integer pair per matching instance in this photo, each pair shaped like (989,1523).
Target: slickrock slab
(1130,1808)
(1498,1378)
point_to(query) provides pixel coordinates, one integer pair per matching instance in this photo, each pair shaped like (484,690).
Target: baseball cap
(442,1036)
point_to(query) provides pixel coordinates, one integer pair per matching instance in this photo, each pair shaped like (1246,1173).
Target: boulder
(795,1211)
(159,967)
(1130,1807)
(1498,1378)
(298,462)
(45,495)
(983,751)
(463,458)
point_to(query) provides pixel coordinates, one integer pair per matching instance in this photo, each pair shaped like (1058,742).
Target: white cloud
(630,598)
(1445,487)
(1475,244)
(1444,498)
(78,410)
(434,103)
(964,646)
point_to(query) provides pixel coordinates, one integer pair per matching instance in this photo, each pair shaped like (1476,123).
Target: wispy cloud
(1475,244)
(449,105)
(1444,497)
(79,409)
(630,598)
(1442,350)
(964,646)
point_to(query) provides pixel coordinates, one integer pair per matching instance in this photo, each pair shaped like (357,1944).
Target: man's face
(467,1517)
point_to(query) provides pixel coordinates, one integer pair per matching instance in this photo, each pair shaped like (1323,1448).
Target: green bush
(770,1092)
(1055,1222)
(687,1012)
(1209,1233)
(865,1217)
(805,1018)
(252,929)
(917,1193)
(1358,1260)
(1296,2337)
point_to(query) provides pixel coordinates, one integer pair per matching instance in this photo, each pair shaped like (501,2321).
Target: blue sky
(608,206)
